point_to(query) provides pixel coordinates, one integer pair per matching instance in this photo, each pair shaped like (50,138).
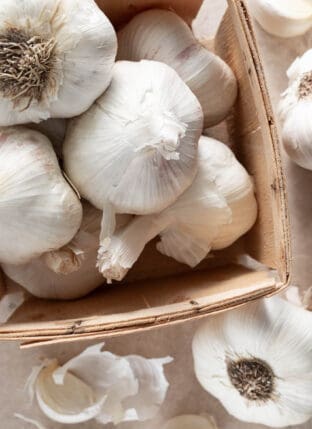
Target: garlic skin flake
(283,18)
(296,111)
(162,35)
(47,49)
(136,148)
(215,211)
(109,388)
(191,421)
(257,360)
(66,273)
(39,211)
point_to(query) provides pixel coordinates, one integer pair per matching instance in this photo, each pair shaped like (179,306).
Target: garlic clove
(148,122)
(72,401)
(36,203)
(283,18)
(64,38)
(295,110)
(162,35)
(191,421)
(255,360)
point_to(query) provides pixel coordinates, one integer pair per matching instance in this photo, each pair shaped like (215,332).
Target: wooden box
(159,290)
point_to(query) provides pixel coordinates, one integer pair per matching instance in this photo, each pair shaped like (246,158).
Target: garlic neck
(305,86)
(157,131)
(27,66)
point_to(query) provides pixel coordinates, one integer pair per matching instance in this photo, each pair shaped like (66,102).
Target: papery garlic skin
(136,148)
(212,213)
(161,35)
(257,360)
(39,211)
(283,18)
(296,111)
(55,43)
(190,421)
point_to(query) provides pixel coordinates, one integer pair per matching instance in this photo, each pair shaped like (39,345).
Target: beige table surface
(185,395)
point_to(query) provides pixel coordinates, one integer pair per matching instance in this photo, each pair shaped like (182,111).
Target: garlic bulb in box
(39,211)
(69,272)
(162,35)
(216,210)
(296,111)
(135,150)
(47,47)
(283,18)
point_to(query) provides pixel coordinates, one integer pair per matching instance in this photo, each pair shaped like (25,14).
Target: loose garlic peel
(163,36)
(283,18)
(215,211)
(50,46)
(191,421)
(70,272)
(39,211)
(296,111)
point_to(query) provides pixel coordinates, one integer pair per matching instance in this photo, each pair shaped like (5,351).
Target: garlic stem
(119,253)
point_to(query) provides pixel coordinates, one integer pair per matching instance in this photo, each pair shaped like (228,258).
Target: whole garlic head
(136,148)
(296,111)
(47,47)
(161,35)
(213,212)
(283,18)
(39,211)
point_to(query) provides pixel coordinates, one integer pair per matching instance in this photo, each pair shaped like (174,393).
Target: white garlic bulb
(39,211)
(257,360)
(215,211)
(98,384)
(136,148)
(47,47)
(161,35)
(296,111)
(283,18)
(191,421)
(69,272)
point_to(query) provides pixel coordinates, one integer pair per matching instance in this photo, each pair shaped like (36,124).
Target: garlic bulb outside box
(215,211)
(191,421)
(39,211)
(283,18)
(98,384)
(47,47)
(162,35)
(257,360)
(296,111)
(69,272)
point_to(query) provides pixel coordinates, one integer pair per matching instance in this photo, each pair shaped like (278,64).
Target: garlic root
(162,35)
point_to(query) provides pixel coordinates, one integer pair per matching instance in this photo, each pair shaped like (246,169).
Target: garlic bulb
(47,47)
(257,360)
(283,18)
(296,111)
(98,384)
(136,148)
(214,212)
(190,421)
(163,36)
(69,272)
(39,211)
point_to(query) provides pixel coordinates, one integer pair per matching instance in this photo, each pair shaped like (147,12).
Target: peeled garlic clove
(296,111)
(39,211)
(162,35)
(283,18)
(73,401)
(136,148)
(257,361)
(191,421)
(47,49)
